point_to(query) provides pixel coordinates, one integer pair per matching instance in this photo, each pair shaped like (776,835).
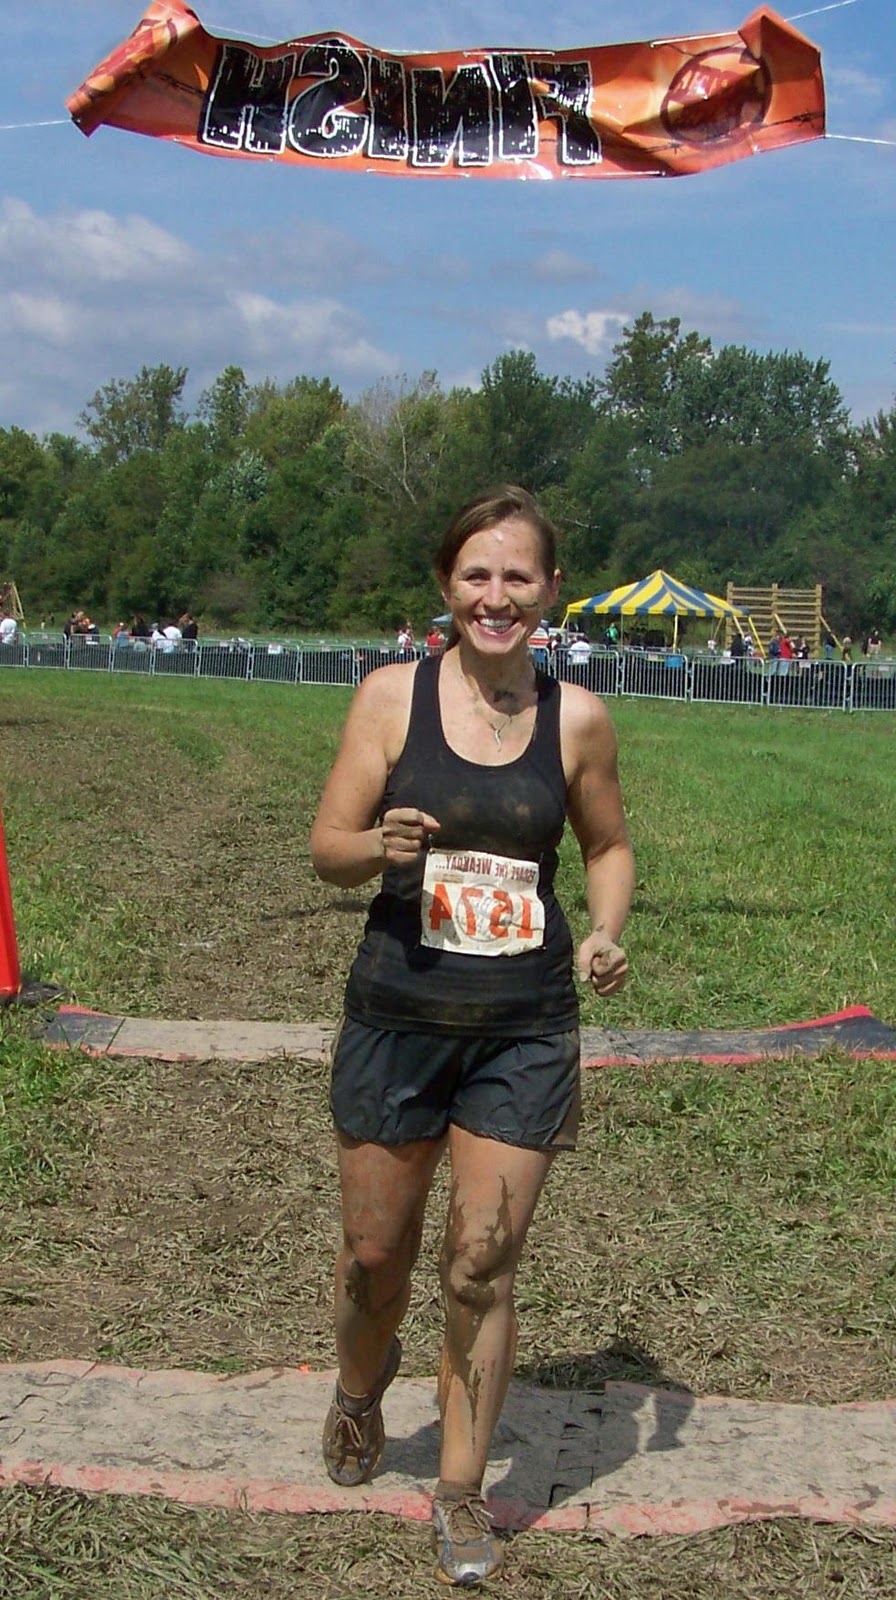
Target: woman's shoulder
(587,734)
(582,711)
(387,685)
(382,702)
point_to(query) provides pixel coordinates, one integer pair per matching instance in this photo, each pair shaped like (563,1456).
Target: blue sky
(119,251)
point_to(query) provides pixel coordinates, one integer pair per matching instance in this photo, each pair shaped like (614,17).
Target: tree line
(290,507)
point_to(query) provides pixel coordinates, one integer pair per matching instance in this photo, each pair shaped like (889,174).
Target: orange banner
(657,109)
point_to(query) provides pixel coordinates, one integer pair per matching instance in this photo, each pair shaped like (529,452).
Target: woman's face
(498,589)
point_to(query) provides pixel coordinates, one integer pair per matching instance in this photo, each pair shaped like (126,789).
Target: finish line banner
(661,108)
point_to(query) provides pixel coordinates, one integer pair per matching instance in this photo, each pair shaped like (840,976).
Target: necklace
(498,728)
(481,707)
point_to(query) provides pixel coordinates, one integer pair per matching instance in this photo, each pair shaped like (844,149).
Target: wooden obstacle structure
(10,601)
(791,611)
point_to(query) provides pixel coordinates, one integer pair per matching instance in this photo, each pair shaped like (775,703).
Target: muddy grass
(59,1546)
(731,1232)
(186,1215)
(190,1218)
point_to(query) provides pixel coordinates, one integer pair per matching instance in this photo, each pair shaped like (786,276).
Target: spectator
(829,646)
(173,635)
(785,653)
(846,648)
(189,628)
(579,653)
(140,628)
(405,641)
(8,628)
(873,645)
(120,637)
(76,624)
(435,640)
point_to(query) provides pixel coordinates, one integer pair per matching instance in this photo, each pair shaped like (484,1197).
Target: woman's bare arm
(595,809)
(349,846)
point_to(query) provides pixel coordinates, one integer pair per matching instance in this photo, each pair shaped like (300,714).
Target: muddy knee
(477,1277)
(375,1274)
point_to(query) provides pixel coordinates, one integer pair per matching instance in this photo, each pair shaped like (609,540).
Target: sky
(119,251)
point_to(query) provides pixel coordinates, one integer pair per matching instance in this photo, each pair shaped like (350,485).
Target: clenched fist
(405,834)
(602,963)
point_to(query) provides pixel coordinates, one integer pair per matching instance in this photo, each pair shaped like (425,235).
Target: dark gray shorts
(391,1088)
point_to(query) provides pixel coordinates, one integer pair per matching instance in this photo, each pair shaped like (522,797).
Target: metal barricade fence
(600,673)
(828,687)
(808,685)
(726,679)
(224,658)
(14,654)
(873,686)
(89,655)
(173,661)
(645,672)
(336,665)
(136,655)
(276,663)
(804,684)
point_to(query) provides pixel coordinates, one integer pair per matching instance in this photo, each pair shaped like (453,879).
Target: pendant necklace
(498,728)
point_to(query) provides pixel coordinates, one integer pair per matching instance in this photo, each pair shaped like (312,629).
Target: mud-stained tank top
(515,811)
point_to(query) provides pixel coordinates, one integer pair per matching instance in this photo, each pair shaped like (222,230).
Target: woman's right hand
(405,835)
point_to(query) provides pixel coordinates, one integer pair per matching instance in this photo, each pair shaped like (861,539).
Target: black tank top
(517,810)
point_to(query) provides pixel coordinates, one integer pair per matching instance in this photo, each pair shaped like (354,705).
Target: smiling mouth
(496,625)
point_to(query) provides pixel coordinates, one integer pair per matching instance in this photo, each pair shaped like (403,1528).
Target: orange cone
(10,973)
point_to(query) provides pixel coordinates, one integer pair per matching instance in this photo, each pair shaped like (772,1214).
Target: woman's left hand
(602,963)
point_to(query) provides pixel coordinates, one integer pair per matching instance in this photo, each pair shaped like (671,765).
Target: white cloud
(41,316)
(83,246)
(89,296)
(302,325)
(595,331)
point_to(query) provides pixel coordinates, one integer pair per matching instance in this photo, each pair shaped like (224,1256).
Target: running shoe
(354,1436)
(466,1547)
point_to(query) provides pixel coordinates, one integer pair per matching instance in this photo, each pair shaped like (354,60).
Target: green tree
(134,414)
(650,364)
(224,408)
(530,425)
(283,423)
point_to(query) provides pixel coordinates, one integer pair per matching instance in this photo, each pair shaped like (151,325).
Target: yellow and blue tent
(657,595)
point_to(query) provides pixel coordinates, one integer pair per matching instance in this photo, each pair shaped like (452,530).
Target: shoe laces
(467,1519)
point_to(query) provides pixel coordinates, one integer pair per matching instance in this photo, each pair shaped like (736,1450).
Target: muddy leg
(384,1194)
(494,1191)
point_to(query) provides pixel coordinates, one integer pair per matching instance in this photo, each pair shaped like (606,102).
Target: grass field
(727,1230)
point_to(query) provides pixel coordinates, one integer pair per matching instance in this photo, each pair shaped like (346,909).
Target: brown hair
(501,504)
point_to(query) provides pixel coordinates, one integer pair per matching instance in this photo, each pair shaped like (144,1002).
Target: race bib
(479,904)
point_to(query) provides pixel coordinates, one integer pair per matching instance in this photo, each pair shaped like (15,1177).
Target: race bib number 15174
(476,903)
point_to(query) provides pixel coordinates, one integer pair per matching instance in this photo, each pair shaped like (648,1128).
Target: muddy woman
(453,782)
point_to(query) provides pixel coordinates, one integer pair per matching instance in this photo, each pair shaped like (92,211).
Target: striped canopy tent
(658,595)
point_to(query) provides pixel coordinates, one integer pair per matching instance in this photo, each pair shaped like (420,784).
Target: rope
(52,122)
(837,6)
(856,138)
